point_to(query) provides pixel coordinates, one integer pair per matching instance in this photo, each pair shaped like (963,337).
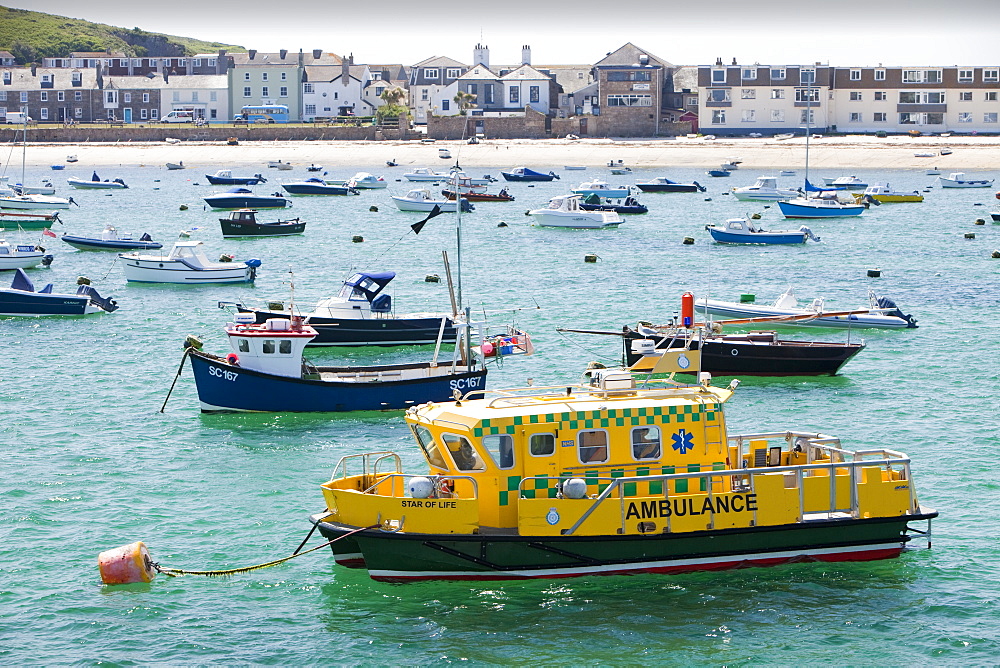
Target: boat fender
(487,349)
(357,238)
(688,241)
(501,224)
(233,359)
(575,488)
(980,221)
(687,309)
(184,207)
(373,209)
(420,487)
(128,564)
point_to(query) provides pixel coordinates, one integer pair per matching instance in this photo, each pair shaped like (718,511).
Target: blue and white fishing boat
(224,177)
(21,299)
(317,186)
(112,240)
(602,189)
(823,205)
(361,314)
(265,371)
(958,180)
(243,198)
(525,174)
(746,231)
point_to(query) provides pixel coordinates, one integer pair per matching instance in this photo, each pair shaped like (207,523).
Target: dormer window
(431,73)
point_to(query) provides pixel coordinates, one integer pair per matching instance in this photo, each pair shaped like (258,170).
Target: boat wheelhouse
(610,478)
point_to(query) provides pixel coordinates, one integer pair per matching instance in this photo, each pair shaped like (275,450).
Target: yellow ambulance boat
(611,478)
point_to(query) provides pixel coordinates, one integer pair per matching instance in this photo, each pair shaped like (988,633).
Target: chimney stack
(345,70)
(317,54)
(283,53)
(481,56)
(525,55)
(252,53)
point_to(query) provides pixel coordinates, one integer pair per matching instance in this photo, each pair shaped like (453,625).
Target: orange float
(128,564)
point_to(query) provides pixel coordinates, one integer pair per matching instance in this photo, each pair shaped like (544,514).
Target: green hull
(405,557)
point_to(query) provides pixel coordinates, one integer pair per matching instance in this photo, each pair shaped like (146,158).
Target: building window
(154,114)
(24,96)
(990,96)
(263,76)
(991,75)
(777,73)
(807,117)
(488,91)
(515,95)
(284,76)
(336,96)
(122,62)
(379,90)
(965,76)
(855,117)
(807,76)
(934,98)
(310,110)
(965,96)
(473,89)
(718,76)
(143,114)
(748,93)
(630,101)
(913,76)
(880,117)
(307,88)
(182,62)
(128,97)
(533,94)
(196,62)
(43,96)
(879,75)
(592,446)
(265,91)
(246,76)
(445,105)
(213,96)
(78,112)
(283,91)
(453,73)
(646,443)
(855,75)
(965,117)
(43,113)
(880,96)
(431,73)
(194,96)
(211,62)
(749,73)
(855,96)
(692,102)
(718,95)
(145,98)
(213,113)
(990,117)
(246,91)
(77,76)
(777,93)
(749,116)
(176,96)
(77,96)
(807,95)
(423,94)
(932,76)
(718,116)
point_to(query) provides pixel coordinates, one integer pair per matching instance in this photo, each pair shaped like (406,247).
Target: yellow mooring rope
(174,572)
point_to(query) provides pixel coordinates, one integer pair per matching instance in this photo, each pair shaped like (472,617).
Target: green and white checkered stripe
(615,417)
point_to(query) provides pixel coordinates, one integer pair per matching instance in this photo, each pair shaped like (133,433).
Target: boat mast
(24,144)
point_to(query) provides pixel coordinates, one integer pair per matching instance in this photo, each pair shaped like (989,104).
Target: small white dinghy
(186,263)
(565,211)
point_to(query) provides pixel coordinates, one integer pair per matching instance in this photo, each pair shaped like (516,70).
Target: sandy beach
(842,152)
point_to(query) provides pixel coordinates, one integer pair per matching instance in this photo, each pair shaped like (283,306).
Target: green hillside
(31,36)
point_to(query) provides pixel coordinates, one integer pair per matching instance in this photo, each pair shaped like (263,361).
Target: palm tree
(465,101)
(392,106)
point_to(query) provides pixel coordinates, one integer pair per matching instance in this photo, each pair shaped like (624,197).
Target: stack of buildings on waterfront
(628,93)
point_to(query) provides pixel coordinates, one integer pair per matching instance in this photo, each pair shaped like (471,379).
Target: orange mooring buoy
(126,565)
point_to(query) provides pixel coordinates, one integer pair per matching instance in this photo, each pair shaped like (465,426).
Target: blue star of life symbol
(683,441)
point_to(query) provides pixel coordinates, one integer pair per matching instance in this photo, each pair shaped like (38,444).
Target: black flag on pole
(416,227)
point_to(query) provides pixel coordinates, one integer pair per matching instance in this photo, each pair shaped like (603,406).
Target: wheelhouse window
(592,446)
(464,455)
(243,345)
(542,445)
(426,442)
(646,443)
(267,346)
(501,448)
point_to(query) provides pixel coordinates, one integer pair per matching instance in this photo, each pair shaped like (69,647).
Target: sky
(842,32)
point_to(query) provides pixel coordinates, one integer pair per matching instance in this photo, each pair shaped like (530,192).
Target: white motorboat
(95,183)
(420,199)
(45,189)
(958,180)
(764,189)
(278,164)
(186,263)
(848,182)
(602,189)
(34,202)
(22,256)
(425,174)
(565,211)
(881,313)
(366,181)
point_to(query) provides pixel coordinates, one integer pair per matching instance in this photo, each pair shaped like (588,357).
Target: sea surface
(89,462)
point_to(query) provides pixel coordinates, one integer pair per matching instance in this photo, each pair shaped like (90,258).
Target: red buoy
(687,309)
(128,564)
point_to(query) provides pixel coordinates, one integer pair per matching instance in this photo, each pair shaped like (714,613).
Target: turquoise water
(90,464)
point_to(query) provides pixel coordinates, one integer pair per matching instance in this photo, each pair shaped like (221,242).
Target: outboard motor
(108,305)
(253,263)
(700,187)
(886,303)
